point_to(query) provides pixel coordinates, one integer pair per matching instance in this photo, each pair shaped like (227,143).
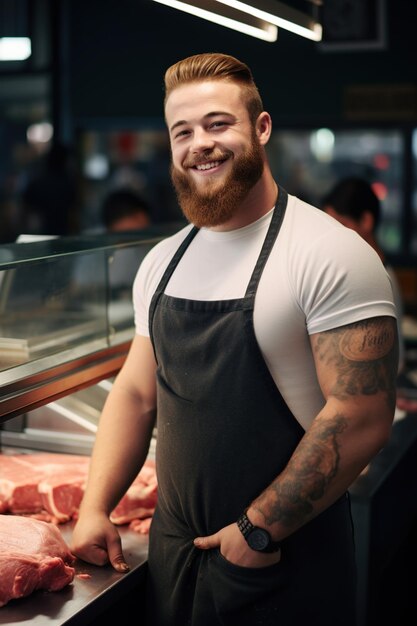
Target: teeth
(207,166)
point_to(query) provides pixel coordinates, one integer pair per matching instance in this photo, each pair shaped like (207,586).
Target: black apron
(224,433)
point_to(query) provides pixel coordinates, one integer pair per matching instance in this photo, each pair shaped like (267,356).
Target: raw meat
(50,487)
(140,499)
(19,486)
(33,555)
(61,494)
(21,474)
(141,526)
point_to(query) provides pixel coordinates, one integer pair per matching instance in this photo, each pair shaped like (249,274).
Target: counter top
(85,598)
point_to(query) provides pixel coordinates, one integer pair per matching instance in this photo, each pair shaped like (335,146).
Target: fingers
(91,553)
(102,549)
(206,543)
(97,555)
(116,556)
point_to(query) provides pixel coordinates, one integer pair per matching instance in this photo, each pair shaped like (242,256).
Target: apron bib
(224,433)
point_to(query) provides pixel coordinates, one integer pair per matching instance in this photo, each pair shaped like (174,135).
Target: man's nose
(202,140)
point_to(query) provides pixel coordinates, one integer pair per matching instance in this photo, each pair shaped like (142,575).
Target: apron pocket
(236,589)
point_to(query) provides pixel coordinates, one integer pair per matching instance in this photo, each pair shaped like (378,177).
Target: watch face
(258,539)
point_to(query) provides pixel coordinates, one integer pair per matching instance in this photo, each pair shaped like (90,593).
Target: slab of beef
(19,486)
(21,474)
(50,487)
(140,499)
(33,556)
(61,494)
(141,526)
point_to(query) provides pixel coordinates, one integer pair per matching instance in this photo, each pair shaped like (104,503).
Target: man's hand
(96,540)
(234,548)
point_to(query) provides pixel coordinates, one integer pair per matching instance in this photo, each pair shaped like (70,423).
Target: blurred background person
(49,197)
(124,209)
(353,203)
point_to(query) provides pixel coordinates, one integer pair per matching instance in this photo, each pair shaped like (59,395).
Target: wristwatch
(257,538)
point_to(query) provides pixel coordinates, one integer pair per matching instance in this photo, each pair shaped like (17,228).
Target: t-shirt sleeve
(347,282)
(139,301)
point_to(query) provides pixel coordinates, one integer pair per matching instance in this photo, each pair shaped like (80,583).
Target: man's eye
(217,124)
(181,133)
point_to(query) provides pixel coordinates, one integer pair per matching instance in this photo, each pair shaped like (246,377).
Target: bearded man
(269,356)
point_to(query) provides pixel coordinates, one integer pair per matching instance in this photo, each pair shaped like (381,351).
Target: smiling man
(226,160)
(269,357)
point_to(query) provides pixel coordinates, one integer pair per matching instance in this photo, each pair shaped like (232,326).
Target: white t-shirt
(398,300)
(319,275)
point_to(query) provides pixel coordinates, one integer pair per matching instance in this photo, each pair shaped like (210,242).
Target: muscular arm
(356,368)
(120,449)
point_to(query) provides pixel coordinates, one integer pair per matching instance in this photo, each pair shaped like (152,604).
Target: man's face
(216,155)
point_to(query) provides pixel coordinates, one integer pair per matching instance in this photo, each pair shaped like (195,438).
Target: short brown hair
(215,66)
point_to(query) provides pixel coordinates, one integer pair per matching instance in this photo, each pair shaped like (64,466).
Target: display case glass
(65,308)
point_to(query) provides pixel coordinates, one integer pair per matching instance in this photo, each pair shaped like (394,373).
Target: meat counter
(66,323)
(66,314)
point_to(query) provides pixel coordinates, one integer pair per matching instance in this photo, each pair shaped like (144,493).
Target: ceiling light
(40,133)
(15,48)
(281,15)
(227,15)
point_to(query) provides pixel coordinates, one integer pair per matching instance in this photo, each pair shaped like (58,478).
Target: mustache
(208,155)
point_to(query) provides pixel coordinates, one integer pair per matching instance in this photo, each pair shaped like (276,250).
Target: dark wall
(119,50)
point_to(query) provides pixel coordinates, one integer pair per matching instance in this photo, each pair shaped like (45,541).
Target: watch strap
(246,528)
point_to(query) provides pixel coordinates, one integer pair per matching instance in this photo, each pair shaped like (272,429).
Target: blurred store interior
(85,108)
(81,115)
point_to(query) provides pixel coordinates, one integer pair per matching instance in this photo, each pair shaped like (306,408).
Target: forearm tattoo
(363,358)
(313,466)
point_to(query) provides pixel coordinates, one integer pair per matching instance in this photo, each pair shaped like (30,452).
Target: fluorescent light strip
(288,18)
(74,417)
(256,28)
(15,48)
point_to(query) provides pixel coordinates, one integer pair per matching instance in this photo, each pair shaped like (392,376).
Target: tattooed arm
(356,367)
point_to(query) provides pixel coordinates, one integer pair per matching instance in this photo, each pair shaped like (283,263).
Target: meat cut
(21,474)
(139,501)
(33,556)
(50,487)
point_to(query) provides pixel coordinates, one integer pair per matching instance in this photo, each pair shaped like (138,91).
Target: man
(123,210)
(269,355)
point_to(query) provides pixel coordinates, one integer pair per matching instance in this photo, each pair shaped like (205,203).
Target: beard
(217,202)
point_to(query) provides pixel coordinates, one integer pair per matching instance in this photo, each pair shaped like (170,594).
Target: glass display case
(66,324)
(66,314)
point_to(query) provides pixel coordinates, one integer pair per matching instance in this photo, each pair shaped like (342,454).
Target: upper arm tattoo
(363,357)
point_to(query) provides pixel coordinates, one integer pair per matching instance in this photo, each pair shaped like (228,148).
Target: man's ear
(263,127)
(367,222)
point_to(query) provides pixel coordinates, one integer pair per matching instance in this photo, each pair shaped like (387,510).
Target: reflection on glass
(44,308)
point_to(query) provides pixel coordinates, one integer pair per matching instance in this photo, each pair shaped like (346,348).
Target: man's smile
(207,166)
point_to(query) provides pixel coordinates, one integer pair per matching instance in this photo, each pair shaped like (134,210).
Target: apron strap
(168,273)
(268,244)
